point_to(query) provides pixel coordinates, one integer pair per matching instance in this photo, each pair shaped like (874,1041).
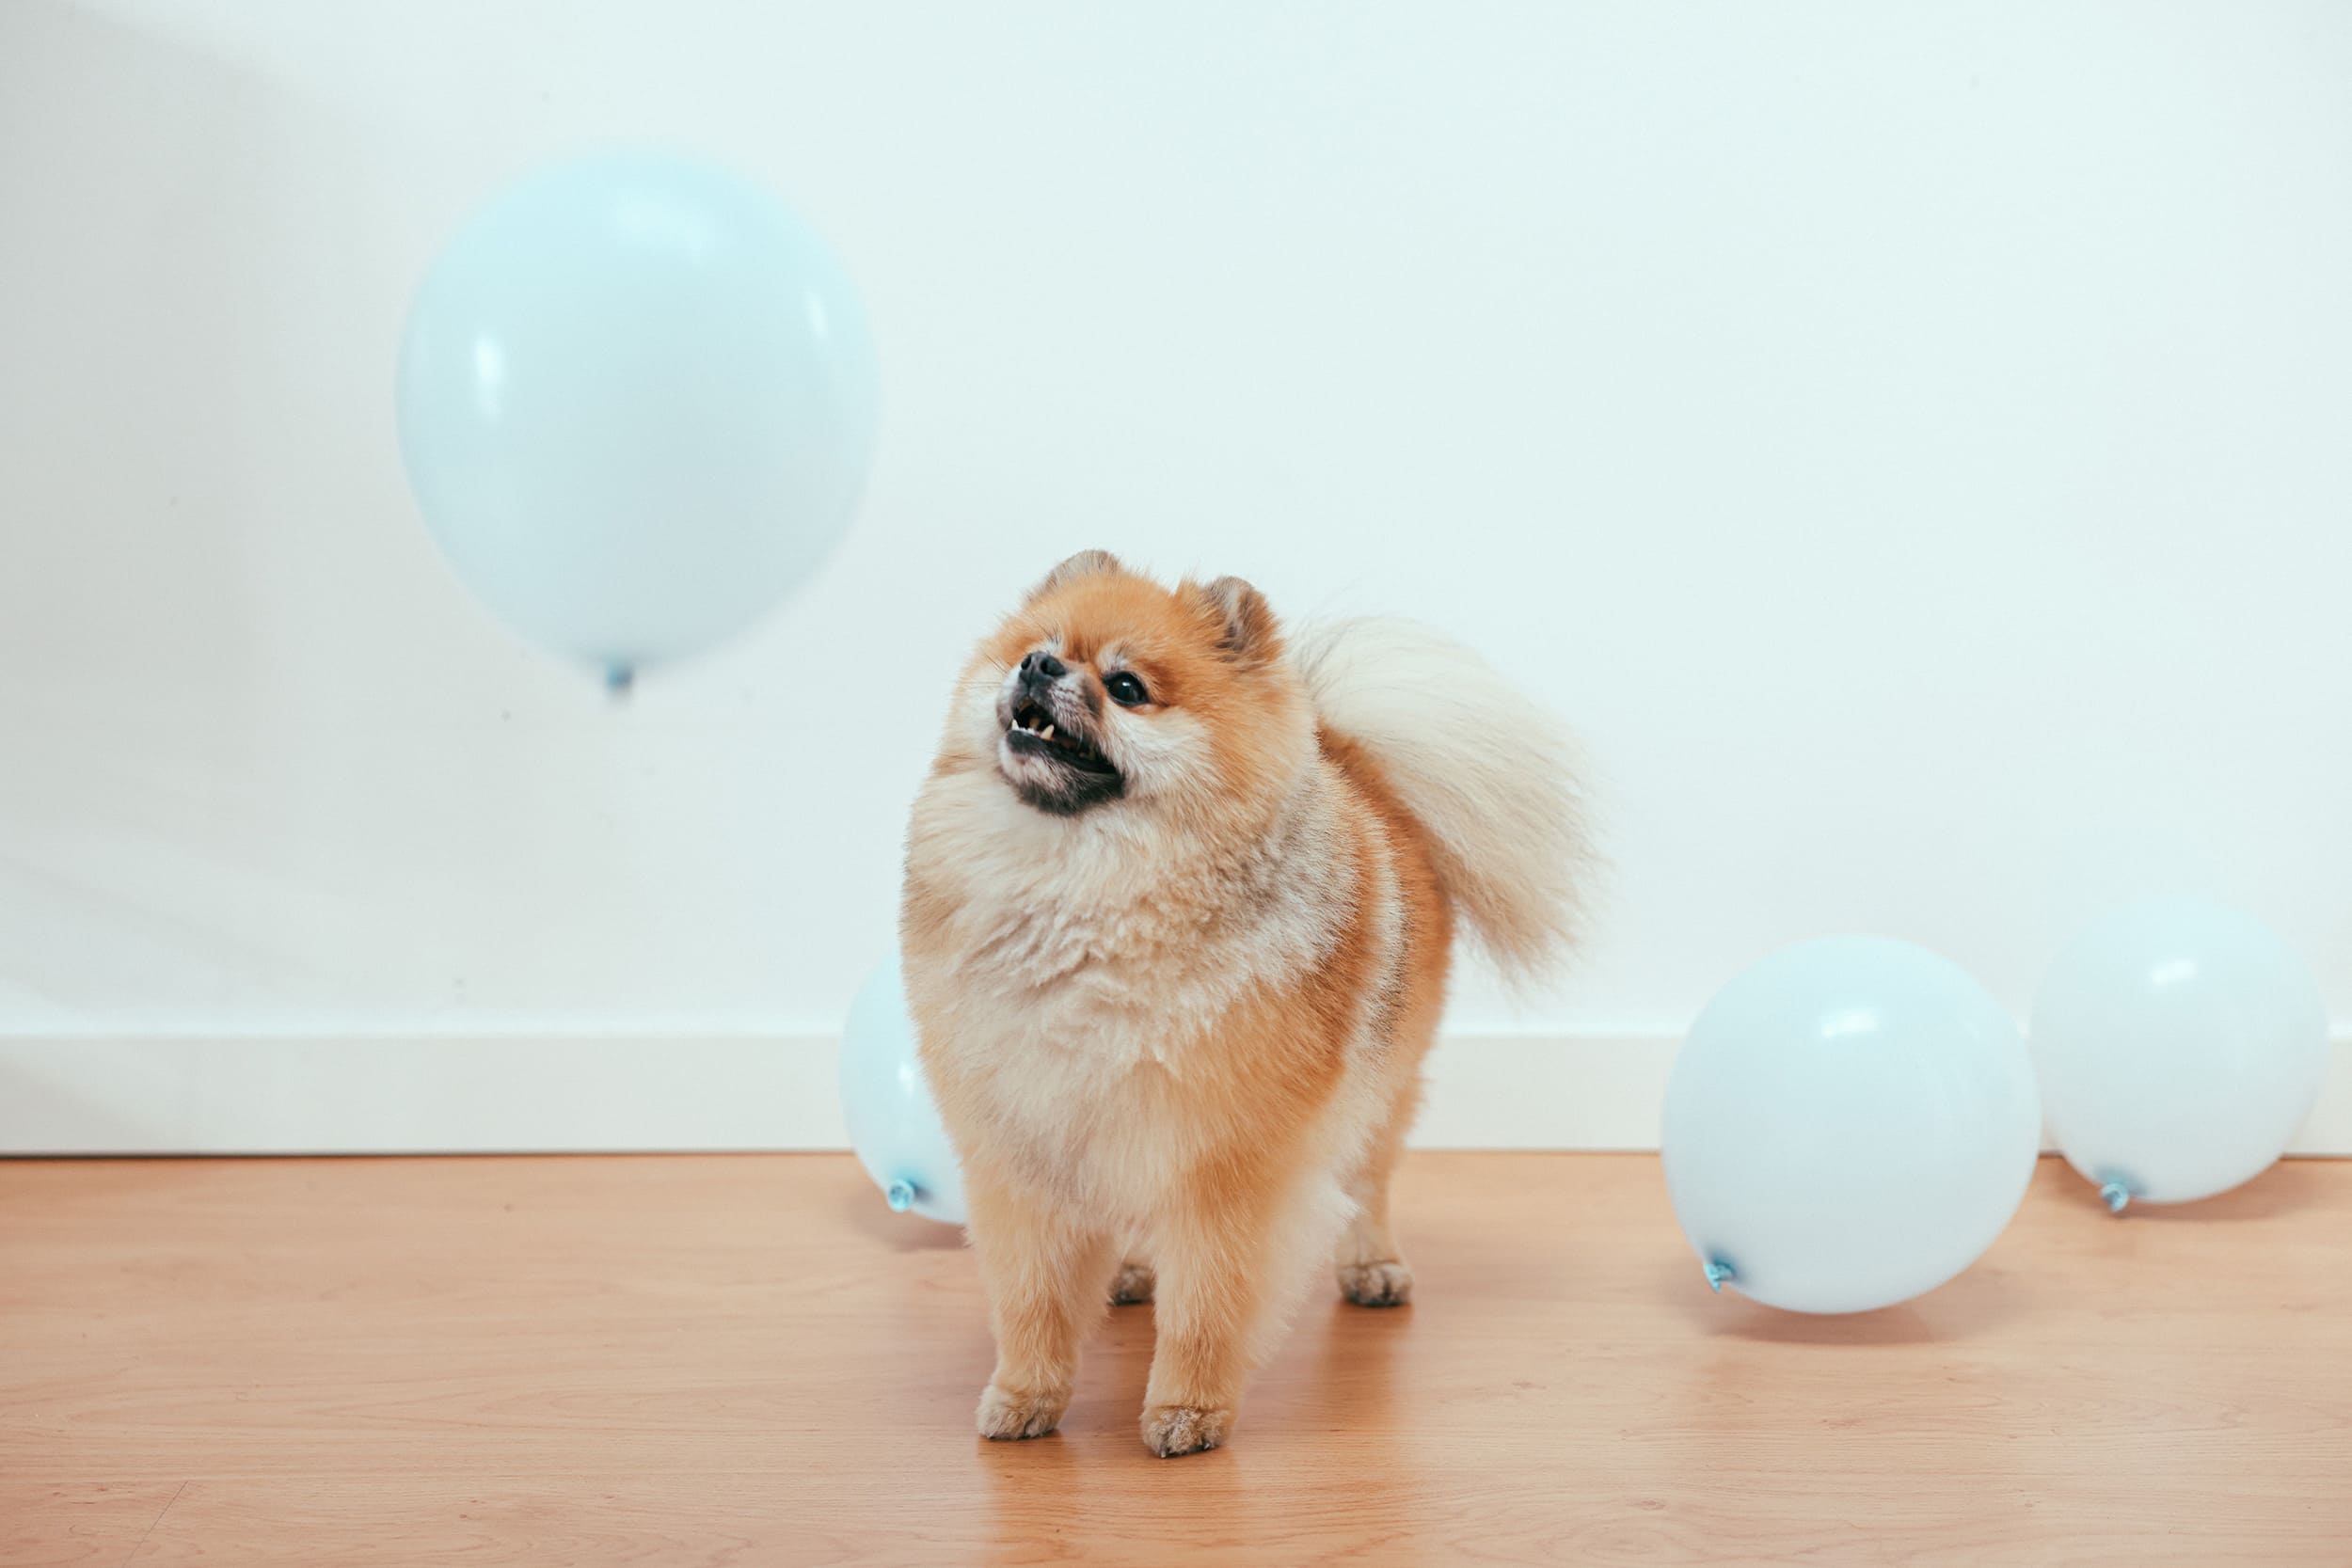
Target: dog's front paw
(1006,1415)
(1170,1429)
(1133,1283)
(1387,1284)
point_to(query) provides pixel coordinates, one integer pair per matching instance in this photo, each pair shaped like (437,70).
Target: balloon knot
(2115,1195)
(1717,1272)
(620,678)
(899,1194)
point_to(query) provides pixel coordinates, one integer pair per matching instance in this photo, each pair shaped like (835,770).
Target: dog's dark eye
(1126,690)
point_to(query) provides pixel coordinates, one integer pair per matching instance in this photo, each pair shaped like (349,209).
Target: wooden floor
(749,1360)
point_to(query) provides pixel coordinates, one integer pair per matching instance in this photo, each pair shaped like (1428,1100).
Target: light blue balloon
(894,1125)
(637,405)
(2181,1045)
(1849,1124)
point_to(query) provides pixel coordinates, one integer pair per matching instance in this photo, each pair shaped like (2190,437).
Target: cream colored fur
(1492,776)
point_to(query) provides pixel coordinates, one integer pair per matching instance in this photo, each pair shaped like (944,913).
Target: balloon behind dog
(894,1126)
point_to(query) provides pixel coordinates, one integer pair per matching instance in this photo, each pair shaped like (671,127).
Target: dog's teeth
(1047,732)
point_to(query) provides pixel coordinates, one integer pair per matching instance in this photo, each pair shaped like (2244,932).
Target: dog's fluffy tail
(1491,776)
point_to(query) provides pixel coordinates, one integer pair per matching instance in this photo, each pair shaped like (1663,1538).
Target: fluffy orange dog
(1179,909)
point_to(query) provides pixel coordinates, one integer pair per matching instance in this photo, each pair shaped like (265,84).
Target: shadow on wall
(44,1112)
(130,637)
(212,580)
(140,175)
(132,617)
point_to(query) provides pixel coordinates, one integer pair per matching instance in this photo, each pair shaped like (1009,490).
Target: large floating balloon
(1850,1123)
(637,403)
(894,1126)
(2180,1044)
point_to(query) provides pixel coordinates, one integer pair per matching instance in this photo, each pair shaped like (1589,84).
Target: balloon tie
(2115,1195)
(619,678)
(899,1194)
(1717,1272)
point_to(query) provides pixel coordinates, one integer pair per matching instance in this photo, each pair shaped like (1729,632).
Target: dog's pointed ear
(1251,635)
(1085,563)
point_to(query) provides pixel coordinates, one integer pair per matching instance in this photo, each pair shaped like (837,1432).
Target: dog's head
(1106,688)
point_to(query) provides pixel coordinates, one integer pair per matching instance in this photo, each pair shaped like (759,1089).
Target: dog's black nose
(1041,667)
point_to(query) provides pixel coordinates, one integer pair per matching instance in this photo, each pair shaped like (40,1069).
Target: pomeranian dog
(1180,902)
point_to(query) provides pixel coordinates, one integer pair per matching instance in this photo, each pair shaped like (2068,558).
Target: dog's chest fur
(1073,984)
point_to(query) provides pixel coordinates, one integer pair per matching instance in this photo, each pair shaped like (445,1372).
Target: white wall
(1917,450)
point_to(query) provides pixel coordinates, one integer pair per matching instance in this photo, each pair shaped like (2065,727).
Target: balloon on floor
(1849,1123)
(637,403)
(2180,1044)
(894,1126)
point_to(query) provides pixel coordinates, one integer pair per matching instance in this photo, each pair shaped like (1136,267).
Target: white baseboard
(433,1094)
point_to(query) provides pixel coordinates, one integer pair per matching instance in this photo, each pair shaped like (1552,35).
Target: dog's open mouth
(1035,734)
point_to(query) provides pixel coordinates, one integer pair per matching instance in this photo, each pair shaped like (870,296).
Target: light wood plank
(53,1523)
(747,1359)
